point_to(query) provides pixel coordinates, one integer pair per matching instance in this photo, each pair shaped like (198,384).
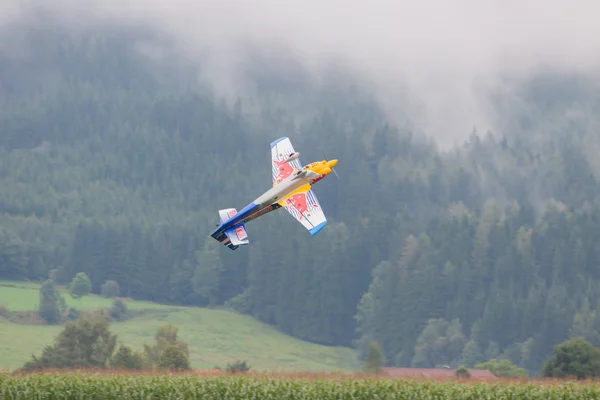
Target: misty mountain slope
(115,162)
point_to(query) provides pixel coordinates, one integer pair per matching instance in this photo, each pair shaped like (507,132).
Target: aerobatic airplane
(291,189)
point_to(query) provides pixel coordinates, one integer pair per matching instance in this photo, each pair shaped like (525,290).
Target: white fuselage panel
(276,193)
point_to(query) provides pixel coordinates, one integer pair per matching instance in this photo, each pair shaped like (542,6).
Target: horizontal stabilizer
(237,235)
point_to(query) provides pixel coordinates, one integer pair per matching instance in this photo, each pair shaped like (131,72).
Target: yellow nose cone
(332,163)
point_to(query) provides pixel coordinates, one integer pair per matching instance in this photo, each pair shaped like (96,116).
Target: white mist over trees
(445,58)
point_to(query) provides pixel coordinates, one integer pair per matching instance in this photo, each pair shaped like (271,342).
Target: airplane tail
(235,236)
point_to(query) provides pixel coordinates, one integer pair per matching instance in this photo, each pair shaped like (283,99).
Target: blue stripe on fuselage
(243,213)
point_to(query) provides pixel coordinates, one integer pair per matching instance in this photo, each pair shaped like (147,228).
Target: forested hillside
(114,163)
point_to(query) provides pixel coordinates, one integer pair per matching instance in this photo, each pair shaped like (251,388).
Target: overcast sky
(447,52)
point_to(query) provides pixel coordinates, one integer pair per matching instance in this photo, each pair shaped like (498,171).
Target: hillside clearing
(215,337)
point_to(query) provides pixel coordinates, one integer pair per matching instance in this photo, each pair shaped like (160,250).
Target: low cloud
(447,55)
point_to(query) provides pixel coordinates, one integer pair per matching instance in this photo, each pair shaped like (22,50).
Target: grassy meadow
(215,337)
(24,296)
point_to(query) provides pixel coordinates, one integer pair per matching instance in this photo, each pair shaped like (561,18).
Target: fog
(447,55)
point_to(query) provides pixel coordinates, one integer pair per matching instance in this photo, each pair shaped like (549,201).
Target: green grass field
(215,337)
(24,296)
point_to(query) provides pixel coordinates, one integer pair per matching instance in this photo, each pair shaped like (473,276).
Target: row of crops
(174,386)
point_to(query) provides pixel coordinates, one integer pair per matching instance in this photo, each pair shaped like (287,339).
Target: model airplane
(291,189)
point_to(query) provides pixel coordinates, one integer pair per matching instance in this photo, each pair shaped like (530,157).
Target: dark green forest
(115,163)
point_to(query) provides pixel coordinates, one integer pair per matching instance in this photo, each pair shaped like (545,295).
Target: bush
(238,366)
(166,335)
(462,372)
(173,357)
(503,368)
(80,286)
(118,310)
(110,289)
(127,358)
(573,358)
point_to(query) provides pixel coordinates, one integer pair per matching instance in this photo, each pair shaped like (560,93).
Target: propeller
(332,168)
(336,174)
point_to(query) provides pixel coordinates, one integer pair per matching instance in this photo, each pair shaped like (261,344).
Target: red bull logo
(298,201)
(241,233)
(284,170)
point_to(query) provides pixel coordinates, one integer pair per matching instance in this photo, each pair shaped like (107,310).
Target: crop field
(213,385)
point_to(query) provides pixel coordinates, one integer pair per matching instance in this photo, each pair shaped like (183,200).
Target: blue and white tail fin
(226,214)
(235,236)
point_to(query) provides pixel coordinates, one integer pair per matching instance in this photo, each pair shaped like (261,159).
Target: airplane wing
(280,150)
(303,205)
